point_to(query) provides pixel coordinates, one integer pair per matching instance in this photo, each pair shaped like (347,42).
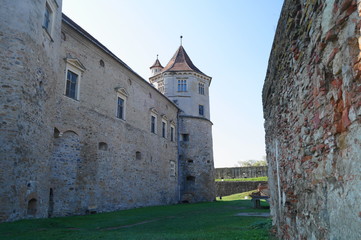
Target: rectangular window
(172,169)
(182,85)
(161,86)
(164,129)
(172,134)
(71,84)
(152,124)
(120,108)
(47,18)
(201,88)
(201,110)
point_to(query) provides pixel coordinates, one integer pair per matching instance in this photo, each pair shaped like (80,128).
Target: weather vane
(181,37)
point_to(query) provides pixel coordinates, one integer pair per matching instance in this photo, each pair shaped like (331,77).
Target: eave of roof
(85,34)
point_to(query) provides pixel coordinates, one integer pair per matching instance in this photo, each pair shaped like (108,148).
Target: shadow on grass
(209,220)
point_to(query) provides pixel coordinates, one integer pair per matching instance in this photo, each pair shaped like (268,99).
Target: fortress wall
(227,188)
(240,172)
(110,176)
(312,111)
(28,73)
(196,160)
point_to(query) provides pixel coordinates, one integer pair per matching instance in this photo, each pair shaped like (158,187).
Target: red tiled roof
(181,62)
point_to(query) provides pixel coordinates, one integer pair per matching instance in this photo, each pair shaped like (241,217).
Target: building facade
(81,132)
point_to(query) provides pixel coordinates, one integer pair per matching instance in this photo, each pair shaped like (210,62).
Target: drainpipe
(179,160)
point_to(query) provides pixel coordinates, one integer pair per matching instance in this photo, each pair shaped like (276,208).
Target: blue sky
(228,40)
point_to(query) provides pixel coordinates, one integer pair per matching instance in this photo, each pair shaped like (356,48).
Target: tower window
(182,85)
(71,84)
(161,86)
(48,15)
(201,110)
(201,88)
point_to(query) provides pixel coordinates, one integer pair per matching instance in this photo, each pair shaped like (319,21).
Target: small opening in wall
(208,161)
(129,81)
(150,95)
(185,137)
(101,63)
(51,203)
(56,133)
(138,155)
(191,178)
(103,146)
(32,208)
(190,161)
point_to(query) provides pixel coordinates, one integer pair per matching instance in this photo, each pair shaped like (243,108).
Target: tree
(252,163)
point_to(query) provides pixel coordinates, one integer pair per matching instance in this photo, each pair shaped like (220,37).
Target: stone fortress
(312,111)
(81,132)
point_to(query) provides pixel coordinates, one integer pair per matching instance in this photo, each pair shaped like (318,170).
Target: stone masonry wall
(312,111)
(240,172)
(228,188)
(100,162)
(28,74)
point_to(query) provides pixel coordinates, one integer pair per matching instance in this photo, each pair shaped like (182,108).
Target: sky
(228,40)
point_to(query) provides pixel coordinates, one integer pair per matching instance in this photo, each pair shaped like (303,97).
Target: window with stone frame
(71,84)
(120,108)
(48,20)
(172,132)
(164,128)
(172,168)
(161,86)
(182,85)
(201,110)
(201,88)
(121,101)
(74,70)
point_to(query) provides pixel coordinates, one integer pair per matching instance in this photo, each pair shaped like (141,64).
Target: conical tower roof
(181,62)
(156,64)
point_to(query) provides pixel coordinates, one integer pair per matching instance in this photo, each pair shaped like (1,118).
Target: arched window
(138,155)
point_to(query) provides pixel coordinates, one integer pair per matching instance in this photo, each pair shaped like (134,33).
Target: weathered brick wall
(228,188)
(312,111)
(240,172)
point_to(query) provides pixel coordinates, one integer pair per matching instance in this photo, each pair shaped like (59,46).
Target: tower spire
(181,38)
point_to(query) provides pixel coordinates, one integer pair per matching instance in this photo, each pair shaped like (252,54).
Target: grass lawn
(244,179)
(211,220)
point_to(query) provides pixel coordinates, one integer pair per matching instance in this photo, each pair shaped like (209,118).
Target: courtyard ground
(212,220)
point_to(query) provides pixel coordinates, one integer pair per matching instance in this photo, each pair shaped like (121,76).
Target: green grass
(244,179)
(211,220)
